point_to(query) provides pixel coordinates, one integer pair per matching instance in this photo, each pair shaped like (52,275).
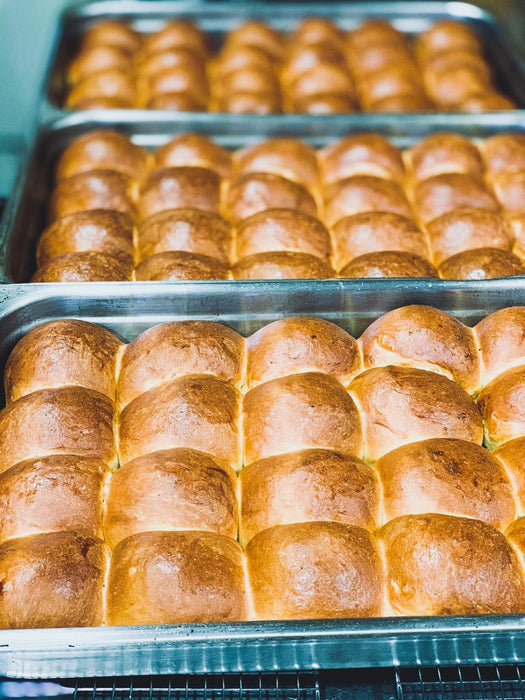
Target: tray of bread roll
(284,58)
(206,482)
(154,202)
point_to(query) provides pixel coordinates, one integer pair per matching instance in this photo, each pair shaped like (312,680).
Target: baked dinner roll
(399,405)
(257,34)
(163,578)
(389,263)
(443,565)
(172,350)
(112,83)
(111,33)
(504,153)
(234,58)
(374,32)
(282,230)
(282,265)
(452,477)
(375,57)
(96,189)
(196,150)
(401,79)
(196,411)
(175,101)
(52,580)
(149,64)
(293,345)
(300,411)
(375,232)
(175,188)
(64,352)
(324,104)
(307,486)
(52,494)
(452,86)
(291,158)
(501,338)
(517,224)
(97,58)
(313,30)
(97,230)
(192,230)
(190,80)
(427,338)
(444,193)
(400,104)
(66,421)
(177,34)
(249,79)
(361,154)
(512,455)
(443,153)
(363,193)
(301,57)
(84,267)
(323,78)
(502,405)
(250,103)
(180,266)
(490,101)
(315,570)
(468,229)
(255,192)
(481,264)
(449,60)
(510,191)
(176,489)
(446,35)
(102,149)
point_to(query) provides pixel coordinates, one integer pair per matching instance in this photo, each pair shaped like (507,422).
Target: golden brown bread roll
(97,230)
(66,421)
(444,565)
(189,80)
(149,64)
(194,150)
(375,57)
(468,229)
(374,32)
(199,412)
(291,158)
(282,265)
(250,103)
(502,405)
(427,338)
(111,33)
(239,57)
(504,153)
(52,494)
(307,486)
(389,263)
(175,101)
(449,60)
(512,455)
(282,230)
(443,193)
(176,489)
(322,79)
(93,59)
(490,101)
(363,193)
(399,405)
(444,153)
(192,230)
(52,580)
(481,264)
(64,352)
(301,57)
(374,232)
(176,577)
(84,267)
(501,338)
(250,79)
(509,188)
(361,154)
(446,35)
(315,570)
(111,83)
(257,34)
(102,149)
(180,265)
(96,189)
(517,224)
(300,411)
(179,187)
(451,477)
(172,350)
(393,81)
(300,344)
(255,192)
(410,102)
(177,34)
(324,103)
(451,87)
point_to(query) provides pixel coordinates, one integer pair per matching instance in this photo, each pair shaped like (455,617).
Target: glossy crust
(189,80)
(248,102)
(111,33)
(300,411)
(175,101)
(447,35)
(502,405)
(175,188)
(95,189)
(180,265)
(291,158)
(315,570)
(250,79)
(389,263)
(393,81)
(361,154)
(149,64)
(444,565)
(399,405)
(323,78)
(113,83)
(234,58)
(451,87)
(258,34)
(176,577)
(512,456)
(490,101)
(196,150)
(481,264)
(282,265)
(87,266)
(177,34)
(444,153)
(324,103)
(504,153)
(510,191)
(93,59)
(400,104)
(444,193)
(501,338)
(175,489)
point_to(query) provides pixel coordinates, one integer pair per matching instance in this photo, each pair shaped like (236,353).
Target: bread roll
(502,405)
(313,30)
(250,103)
(64,352)
(443,565)
(501,338)
(196,411)
(450,87)
(504,153)
(452,477)
(111,33)
(70,420)
(149,64)
(444,193)
(301,57)
(323,78)
(176,489)
(293,345)
(364,193)
(400,104)
(442,153)
(97,230)
(291,158)
(449,60)
(361,154)
(374,32)
(189,80)
(389,263)
(446,35)
(176,101)
(282,230)
(172,350)
(512,456)
(510,191)
(196,150)
(234,58)
(307,486)
(175,577)
(393,81)
(177,34)
(282,265)
(490,101)
(427,338)
(324,103)
(300,411)
(257,34)
(110,83)
(96,189)
(94,59)
(52,580)
(375,57)
(87,266)
(481,264)
(250,79)
(315,570)
(180,265)
(400,405)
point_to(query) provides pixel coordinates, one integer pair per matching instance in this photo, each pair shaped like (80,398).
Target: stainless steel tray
(409,16)
(129,309)
(25,215)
